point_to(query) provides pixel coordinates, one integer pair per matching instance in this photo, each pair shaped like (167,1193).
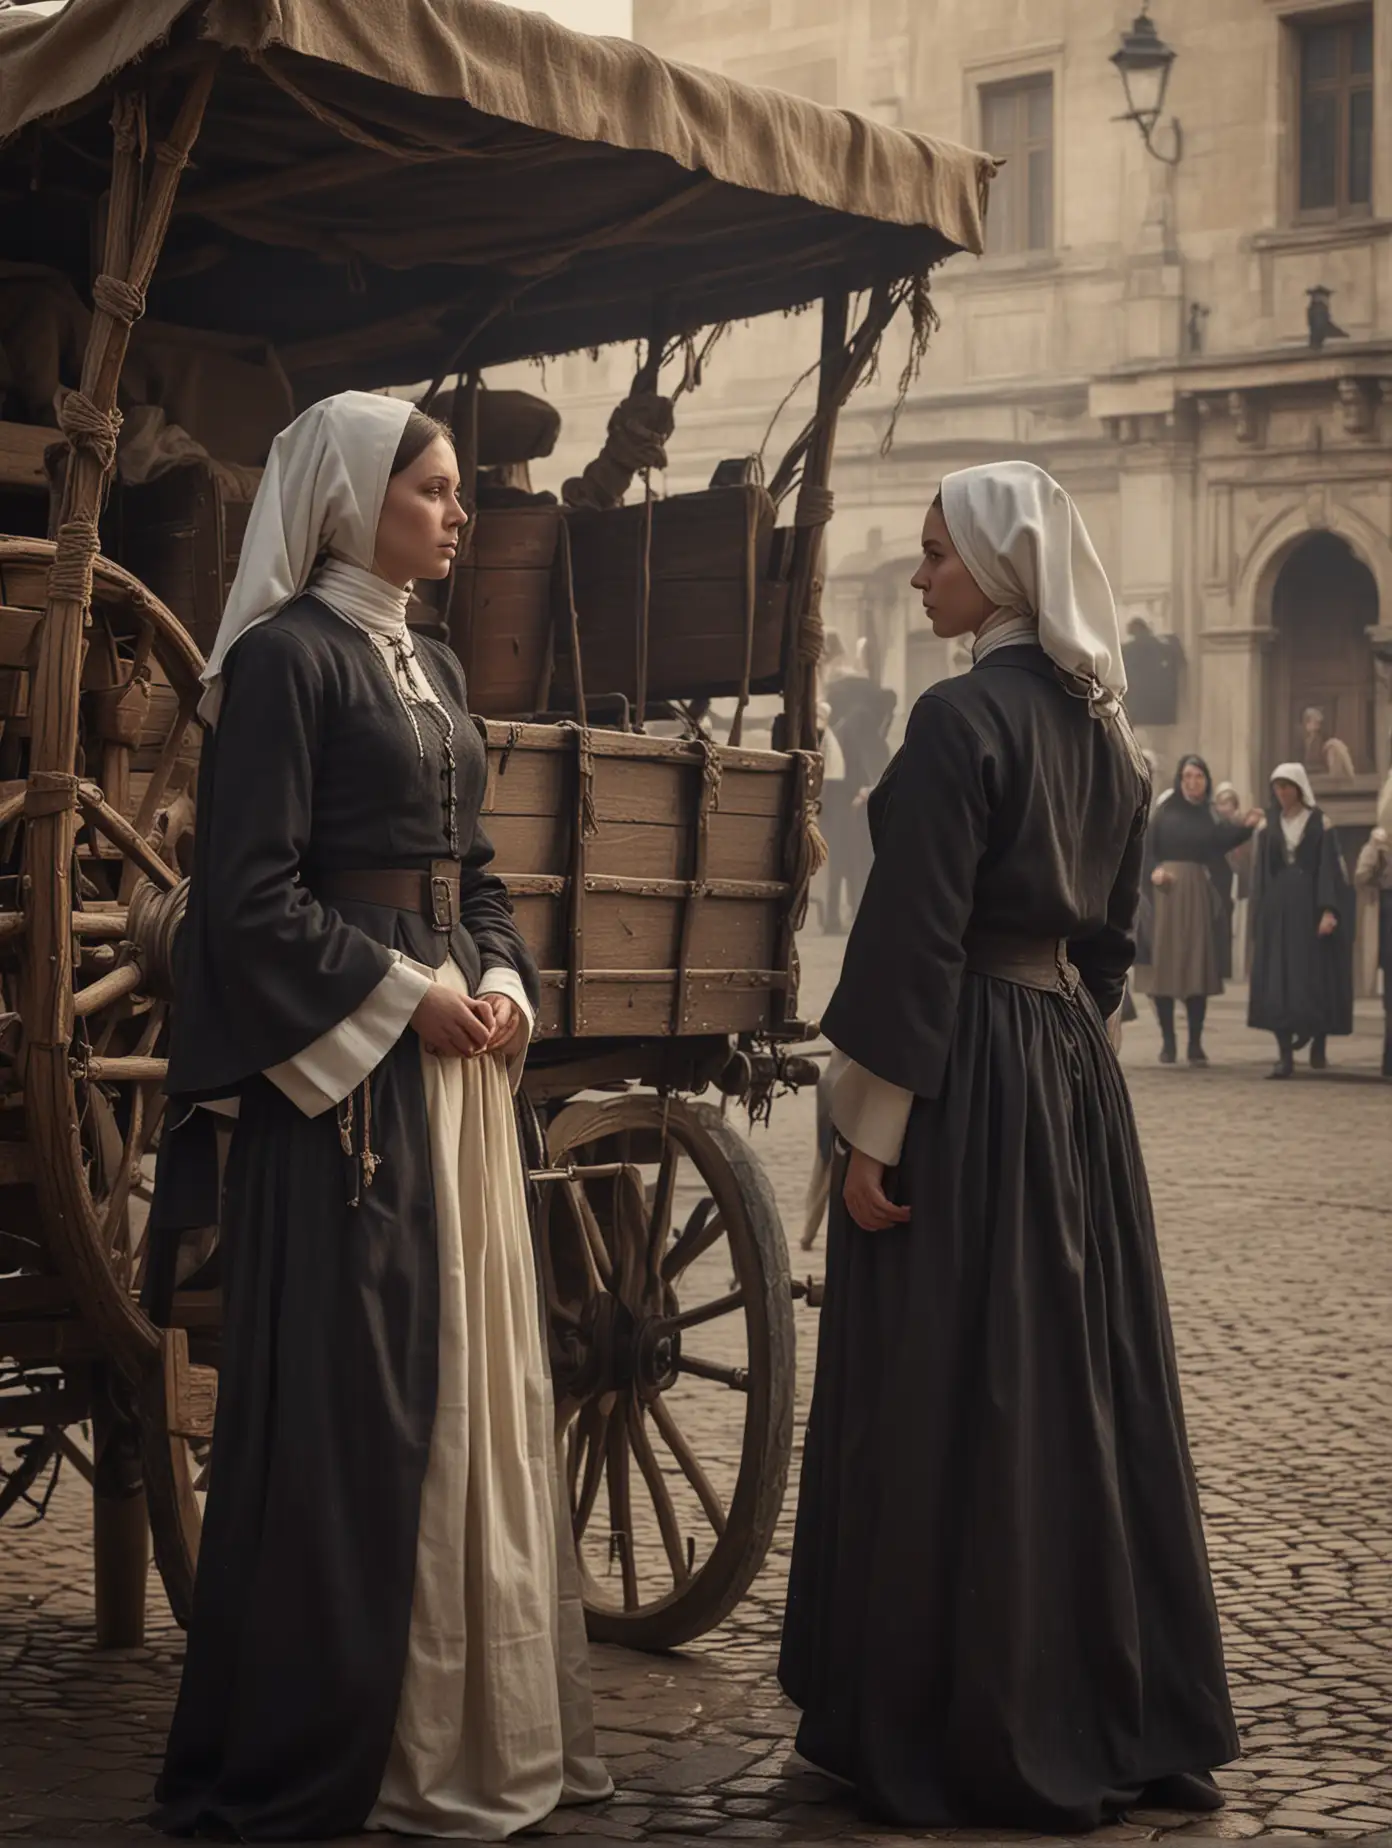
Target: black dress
(326,1398)
(1302,983)
(999,1609)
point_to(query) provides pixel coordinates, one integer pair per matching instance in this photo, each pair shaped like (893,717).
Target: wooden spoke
(667,1522)
(710,1312)
(660,1217)
(121,1070)
(701,1231)
(113,987)
(100,926)
(594,1420)
(122,834)
(146,1114)
(596,1252)
(676,1442)
(736,1378)
(159,782)
(621,1508)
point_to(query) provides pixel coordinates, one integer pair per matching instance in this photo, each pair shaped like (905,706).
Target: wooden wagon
(474,186)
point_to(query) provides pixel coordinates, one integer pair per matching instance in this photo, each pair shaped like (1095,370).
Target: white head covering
(1297,774)
(1024,542)
(322,491)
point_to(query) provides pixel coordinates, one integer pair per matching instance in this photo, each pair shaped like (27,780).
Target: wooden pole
(813,512)
(120,1522)
(87,418)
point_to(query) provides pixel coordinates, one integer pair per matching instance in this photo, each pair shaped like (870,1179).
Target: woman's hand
(454,1026)
(1328,924)
(1253,818)
(865,1197)
(509,1026)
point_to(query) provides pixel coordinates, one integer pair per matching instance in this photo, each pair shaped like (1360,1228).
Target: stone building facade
(1142,329)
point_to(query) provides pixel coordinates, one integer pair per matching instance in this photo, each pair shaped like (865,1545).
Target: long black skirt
(326,1398)
(1000,1609)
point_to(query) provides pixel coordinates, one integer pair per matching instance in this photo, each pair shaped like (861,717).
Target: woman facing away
(999,1609)
(1186,864)
(387,1630)
(1302,926)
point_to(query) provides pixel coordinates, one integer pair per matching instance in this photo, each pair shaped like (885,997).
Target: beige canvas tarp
(568,187)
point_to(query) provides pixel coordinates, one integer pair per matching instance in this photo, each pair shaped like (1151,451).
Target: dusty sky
(611,16)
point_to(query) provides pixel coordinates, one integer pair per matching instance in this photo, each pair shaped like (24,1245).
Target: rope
(584,761)
(74,557)
(87,426)
(711,773)
(121,300)
(169,156)
(815,505)
(807,848)
(811,630)
(637,441)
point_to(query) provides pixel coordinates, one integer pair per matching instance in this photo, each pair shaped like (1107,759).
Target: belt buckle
(443,909)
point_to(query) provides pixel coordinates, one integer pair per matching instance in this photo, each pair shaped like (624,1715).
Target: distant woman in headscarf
(1234,886)
(386,1629)
(1188,872)
(1302,926)
(999,1609)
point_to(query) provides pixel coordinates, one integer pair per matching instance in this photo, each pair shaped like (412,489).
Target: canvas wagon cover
(372,178)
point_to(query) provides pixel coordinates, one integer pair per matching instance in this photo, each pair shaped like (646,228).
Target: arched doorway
(1323,603)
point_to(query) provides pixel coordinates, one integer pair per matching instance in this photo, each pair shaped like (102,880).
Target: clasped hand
(866,1200)
(455,1026)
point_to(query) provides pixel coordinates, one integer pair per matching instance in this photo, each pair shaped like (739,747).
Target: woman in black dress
(1302,926)
(386,1631)
(999,1609)
(1186,865)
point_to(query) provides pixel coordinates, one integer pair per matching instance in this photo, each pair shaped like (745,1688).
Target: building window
(1017,125)
(1336,116)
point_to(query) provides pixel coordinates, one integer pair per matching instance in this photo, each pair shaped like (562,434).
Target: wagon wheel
(673,1353)
(100,752)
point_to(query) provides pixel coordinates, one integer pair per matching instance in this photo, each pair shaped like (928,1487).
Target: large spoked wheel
(98,754)
(673,1353)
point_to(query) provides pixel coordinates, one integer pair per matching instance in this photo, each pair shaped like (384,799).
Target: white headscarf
(322,491)
(1024,542)
(1297,774)
(1293,826)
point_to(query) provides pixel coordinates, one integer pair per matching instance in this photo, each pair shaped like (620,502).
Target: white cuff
(338,1061)
(870,1113)
(503,981)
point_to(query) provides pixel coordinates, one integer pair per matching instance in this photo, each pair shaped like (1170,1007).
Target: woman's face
(953,601)
(418,533)
(1288,795)
(1228,805)
(1193,784)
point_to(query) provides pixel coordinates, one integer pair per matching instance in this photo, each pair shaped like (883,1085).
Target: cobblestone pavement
(1275,1214)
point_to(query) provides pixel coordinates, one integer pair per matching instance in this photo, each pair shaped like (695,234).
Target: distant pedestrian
(864,739)
(1234,886)
(1185,858)
(1302,945)
(1373,875)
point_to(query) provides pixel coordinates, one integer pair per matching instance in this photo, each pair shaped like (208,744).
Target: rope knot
(815,505)
(118,298)
(87,426)
(637,441)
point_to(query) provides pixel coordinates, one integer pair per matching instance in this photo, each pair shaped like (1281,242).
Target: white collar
(362,597)
(1004,629)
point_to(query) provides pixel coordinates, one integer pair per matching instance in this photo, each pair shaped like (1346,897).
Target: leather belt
(433,894)
(1033,962)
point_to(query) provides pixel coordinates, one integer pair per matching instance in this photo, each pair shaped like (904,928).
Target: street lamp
(1144,59)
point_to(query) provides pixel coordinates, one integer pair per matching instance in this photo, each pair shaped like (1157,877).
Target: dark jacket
(1009,809)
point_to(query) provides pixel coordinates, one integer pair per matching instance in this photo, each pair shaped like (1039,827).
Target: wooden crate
(502,608)
(181,536)
(711,595)
(651,877)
